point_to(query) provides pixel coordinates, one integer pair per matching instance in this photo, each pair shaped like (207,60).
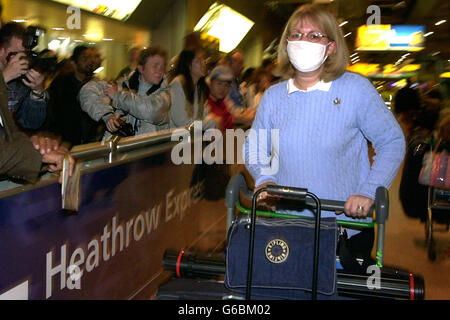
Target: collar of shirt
(321,85)
(143,87)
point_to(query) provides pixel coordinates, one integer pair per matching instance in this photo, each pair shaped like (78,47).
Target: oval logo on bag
(277,251)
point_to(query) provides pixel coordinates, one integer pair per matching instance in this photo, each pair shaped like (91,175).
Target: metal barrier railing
(70,189)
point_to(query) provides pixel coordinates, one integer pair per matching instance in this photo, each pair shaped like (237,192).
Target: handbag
(435,170)
(283,251)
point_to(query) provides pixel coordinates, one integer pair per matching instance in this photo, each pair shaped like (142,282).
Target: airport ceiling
(271,15)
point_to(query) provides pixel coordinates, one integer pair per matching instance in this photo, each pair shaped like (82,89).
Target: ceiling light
(107,39)
(354,54)
(343,23)
(436,53)
(225,24)
(355,61)
(440,22)
(98,70)
(347,35)
(400,4)
(428,34)
(19,20)
(116,9)
(92,36)
(54,45)
(58,29)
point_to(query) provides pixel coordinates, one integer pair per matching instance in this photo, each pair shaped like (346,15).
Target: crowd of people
(71,107)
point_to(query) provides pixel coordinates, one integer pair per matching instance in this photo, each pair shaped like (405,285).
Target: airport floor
(406,248)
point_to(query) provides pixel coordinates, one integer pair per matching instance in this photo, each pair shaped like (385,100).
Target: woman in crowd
(261,82)
(324,116)
(189,91)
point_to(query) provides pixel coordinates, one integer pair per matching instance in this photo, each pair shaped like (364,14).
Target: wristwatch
(37,95)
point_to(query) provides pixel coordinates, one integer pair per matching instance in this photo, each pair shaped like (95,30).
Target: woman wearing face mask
(324,115)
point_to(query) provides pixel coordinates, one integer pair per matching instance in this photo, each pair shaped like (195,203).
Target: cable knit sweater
(322,144)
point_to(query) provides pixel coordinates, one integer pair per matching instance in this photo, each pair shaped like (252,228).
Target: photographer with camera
(27,98)
(139,104)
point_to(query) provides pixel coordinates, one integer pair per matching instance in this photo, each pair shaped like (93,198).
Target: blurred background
(411,39)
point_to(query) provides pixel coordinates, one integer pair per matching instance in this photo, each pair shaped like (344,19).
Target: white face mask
(306,56)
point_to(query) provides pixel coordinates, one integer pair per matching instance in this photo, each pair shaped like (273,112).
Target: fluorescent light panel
(225,24)
(116,9)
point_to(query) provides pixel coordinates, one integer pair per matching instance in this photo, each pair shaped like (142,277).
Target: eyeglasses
(312,36)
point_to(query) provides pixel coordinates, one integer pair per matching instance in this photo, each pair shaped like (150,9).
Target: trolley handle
(381,200)
(300,194)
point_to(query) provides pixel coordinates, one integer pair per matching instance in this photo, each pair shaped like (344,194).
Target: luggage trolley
(438,200)
(238,186)
(395,283)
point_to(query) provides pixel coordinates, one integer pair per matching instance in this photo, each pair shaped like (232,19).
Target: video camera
(43,62)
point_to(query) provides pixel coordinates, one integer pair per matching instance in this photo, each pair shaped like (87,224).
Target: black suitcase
(414,196)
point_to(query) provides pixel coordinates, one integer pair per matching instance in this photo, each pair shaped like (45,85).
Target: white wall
(172,30)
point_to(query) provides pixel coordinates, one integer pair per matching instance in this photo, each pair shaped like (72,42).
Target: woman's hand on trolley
(265,199)
(357,206)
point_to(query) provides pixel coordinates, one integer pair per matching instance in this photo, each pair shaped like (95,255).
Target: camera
(125,129)
(44,61)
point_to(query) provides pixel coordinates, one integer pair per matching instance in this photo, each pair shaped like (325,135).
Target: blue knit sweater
(323,139)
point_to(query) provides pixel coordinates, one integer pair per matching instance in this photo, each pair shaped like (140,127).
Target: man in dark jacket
(19,159)
(67,118)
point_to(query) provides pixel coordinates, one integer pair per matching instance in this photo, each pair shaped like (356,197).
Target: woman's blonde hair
(336,62)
